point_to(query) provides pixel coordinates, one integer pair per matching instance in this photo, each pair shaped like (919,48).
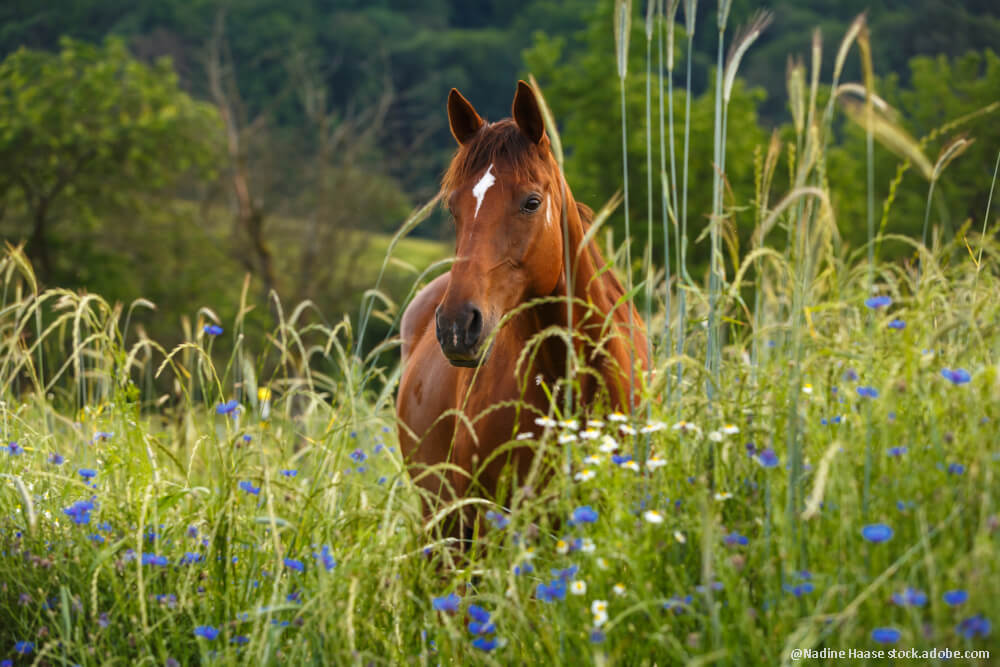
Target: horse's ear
(527,113)
(462,118)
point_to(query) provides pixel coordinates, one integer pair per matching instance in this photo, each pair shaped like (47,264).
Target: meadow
(813,466)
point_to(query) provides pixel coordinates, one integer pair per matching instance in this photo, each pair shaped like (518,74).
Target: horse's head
(503,190)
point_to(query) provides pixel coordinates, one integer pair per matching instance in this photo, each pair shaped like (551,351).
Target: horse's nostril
(475,326)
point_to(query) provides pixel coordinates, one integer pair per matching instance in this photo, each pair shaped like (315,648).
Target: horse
(462,392)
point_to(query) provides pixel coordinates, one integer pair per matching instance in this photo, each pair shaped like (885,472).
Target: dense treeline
(298,126)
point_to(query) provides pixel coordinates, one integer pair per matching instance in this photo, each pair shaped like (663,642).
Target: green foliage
(89,131)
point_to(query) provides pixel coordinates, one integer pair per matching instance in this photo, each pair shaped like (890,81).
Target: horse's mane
(503,144)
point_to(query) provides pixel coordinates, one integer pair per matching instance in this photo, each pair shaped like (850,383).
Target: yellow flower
(263,394)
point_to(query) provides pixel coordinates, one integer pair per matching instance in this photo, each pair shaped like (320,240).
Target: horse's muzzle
(460,335)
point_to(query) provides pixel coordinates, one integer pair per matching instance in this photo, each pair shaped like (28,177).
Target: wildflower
(685,427)
(153,559)
(24,648)
(956,597)
(868,392)
(597,636)
(213,329)
(911,597)
(974,625)
(264,396)
(618,589)
(877,532)
(293,564)
(730,429)
(546,422)
(655,462)
(602,563)
(587,545)
(652,516)
(250,488)
(767,458)
(722,496)
(631,465)
(326,558)
(556,590)
(227,408)
(240,640)
(599,609)
(578,587)
(566,573)
(570,424)
(247,438)
(956,376)
(885,635)
(102,436)
(592,460)
(595,423)
(206,631)
(956,469)
(850,375)
(80,511)
(800,589)
(358,456)
(652,427)
(527,435)
(626,429)
(14,449)
(447,603)
(56,459)
(289,473)
(608,444)
(589,434)
(619,459)
(876,302)
(498,519)
(807,388)
(715,436)
(618,417)
(583,514)
(584,475)
(484,644)
(566,438)
(897,324)
(524,568)
(562,547)
(679,536)
(735,538)
(191,557)
(87,473)
(897,451)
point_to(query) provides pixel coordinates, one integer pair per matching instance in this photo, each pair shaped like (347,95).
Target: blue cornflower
(247,438)
(498,519)
(524,568)
(102,436)
(484,644)
(870,392)
(96,537)
(153,559)
(876,302)
(56,459)
(565,574)
(24,648)
(885,635)
(293,564)
(897,451)
(213,329)
(87,473)
(597,636)
(619,459)
(294,596)
(192,532)
(974,625)
(850,375)
(584,514)
(877,532)
(800,589)
(289,473)
(358,455)
(956,469)
(956,597)
(250,488)
(190,557)
(768,458)
(240,639)
(80,511)
(482,627)
(448,603)
(326,558)
(206,631)
(479,614)
(956,376)
(552,591)
(911,597)
(678,603)
(14,449)
(227,408)
(897,324)
(735,538)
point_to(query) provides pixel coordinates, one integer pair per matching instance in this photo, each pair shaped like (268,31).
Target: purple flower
(191,557)
(213,329)
(227,408)
(14,449)
(897,451)
(584,514)
(768,458)
(956,376)
(56,459)
(735,538)
(877,533)
(974,625)
(876,302)
(885,635)
(565,574)
(293,564)
(326,558)
(240,639)
(153,559)
(911,597)
(206,631)
(956,469)
(498,519)
(870,392)
(799,590)
(597,636)
(524,568)
(850,375)
(448,603)
(897,324)
(358,456)
(956,597)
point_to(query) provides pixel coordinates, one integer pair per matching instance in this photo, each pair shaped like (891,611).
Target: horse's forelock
(501,144)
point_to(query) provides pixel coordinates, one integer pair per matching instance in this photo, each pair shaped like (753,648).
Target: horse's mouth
(463,361)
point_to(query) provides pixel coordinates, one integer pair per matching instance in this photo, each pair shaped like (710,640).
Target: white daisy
(652,516)
(584,475)
(578,587)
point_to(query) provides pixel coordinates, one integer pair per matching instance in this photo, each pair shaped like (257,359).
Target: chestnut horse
(507,196)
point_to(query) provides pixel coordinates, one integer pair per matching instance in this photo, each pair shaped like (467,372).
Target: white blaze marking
(479,190)
(548,211)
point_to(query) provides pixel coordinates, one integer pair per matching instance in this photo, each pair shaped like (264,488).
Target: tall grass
(282,527)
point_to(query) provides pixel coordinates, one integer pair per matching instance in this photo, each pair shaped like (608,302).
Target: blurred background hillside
(166,149)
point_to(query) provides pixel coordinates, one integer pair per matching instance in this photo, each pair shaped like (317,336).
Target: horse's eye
(531,204)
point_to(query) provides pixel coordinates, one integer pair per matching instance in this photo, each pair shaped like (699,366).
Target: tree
(90,129)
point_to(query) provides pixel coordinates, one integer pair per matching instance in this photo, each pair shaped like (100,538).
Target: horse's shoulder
(419,313)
